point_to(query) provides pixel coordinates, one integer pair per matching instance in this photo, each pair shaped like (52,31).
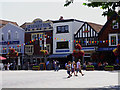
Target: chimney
(61,18)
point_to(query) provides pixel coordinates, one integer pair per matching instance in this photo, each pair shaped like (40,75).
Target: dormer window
(115,24)
(9,35)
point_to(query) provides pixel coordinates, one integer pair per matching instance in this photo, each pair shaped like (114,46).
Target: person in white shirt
(8,65)
(79,68)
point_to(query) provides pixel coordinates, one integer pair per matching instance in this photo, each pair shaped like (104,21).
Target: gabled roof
(114,15)
(4,22)
(96,27)
(12,25)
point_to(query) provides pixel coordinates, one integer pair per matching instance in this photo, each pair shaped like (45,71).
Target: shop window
(63,45)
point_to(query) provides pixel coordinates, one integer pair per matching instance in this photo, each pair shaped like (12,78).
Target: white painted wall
(73,27)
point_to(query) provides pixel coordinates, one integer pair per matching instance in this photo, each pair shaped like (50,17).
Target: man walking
(79,68)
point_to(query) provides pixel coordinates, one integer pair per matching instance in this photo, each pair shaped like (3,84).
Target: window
(115,24)
(18,49)
(48,48)
(113,39)
(118,38)
(41,35)
(62,29)
(28,49)
(3,51)
(2,37)
(34,36)
(16,35)
(9,35)
(62,45)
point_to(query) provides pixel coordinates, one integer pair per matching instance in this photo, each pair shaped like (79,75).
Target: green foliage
(90,66)
(109,7)
(109,66)
(36,66)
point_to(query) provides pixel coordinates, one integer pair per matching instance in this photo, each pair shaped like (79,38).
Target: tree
(108,7)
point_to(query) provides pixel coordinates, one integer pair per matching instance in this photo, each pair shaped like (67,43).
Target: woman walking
(73,68)
(69,69)
(79,68)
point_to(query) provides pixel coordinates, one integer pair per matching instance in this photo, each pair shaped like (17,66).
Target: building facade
(87,37)
(38,36)
(63,35)
(11,36)
(110,34)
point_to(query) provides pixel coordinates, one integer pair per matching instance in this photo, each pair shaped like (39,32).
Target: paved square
(52,79)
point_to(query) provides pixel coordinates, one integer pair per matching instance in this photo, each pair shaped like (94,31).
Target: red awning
(2,58)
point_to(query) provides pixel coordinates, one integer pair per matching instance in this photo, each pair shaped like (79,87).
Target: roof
(66,20)
(24,25)
(96,27)
(4,22)
(114,15)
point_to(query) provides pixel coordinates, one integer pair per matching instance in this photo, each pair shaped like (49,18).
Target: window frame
(116,24)
(63,27)
(32,36)
(28,48)
(2,34)
(16,35)
(62,42)
(110,35)
(9,33)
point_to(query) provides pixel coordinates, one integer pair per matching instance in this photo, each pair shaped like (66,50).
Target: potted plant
(44,52)
(90,68)
(36,68)
(109,68)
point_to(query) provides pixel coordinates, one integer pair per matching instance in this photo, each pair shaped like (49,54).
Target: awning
(58,56)
(2,58)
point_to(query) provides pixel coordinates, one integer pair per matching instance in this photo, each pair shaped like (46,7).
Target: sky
(22,11)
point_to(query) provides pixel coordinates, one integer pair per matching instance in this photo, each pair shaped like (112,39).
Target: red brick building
(38,36)
(109,37)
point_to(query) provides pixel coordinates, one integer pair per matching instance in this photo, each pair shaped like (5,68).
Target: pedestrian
(73,68)
(55,64)
(28,64)
(58,65)
(8,65)
(79,68)
(68,69)
(65,65)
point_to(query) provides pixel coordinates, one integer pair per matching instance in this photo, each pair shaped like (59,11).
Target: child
(69,69)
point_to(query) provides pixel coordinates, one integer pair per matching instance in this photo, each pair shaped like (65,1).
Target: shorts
(68,72)
(78,70)
(73,70)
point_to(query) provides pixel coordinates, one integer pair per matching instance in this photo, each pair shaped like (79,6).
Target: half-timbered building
(87,37)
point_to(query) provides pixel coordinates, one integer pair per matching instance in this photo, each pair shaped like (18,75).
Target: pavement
(52,79)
